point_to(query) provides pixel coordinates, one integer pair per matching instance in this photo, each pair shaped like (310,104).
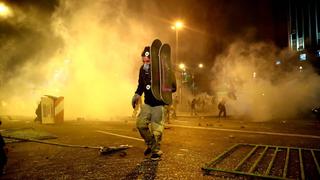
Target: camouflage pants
(150,124)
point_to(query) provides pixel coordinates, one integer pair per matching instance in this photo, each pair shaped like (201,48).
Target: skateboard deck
(155,68)
(166,74)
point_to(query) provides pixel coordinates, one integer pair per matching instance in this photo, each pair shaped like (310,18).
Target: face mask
(146,67)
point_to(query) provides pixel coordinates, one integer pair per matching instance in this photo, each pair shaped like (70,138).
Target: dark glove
(174,87)
(135,99)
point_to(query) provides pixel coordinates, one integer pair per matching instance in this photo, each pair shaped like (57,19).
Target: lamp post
(200,66)
(182,67)
(177,26)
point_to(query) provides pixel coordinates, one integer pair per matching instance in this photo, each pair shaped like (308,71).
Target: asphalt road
(188,144)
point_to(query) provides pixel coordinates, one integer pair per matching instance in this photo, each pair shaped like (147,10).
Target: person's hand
(174,89)
(135,99)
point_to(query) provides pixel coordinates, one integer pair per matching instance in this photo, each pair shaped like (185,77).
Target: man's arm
(140,87)
(139,90)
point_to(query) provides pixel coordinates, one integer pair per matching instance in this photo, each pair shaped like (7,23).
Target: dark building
(304,25)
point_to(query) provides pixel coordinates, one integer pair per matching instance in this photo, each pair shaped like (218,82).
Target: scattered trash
(185,150)
(123,154)
(80,119)
(231,136)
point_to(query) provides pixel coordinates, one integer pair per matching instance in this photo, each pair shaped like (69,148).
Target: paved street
(188,143)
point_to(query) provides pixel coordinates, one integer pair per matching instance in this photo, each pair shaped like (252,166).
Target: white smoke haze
(264,91)
(95,66)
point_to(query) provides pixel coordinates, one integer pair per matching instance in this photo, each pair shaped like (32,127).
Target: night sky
(219,22)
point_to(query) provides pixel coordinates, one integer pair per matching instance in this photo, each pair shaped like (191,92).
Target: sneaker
(156,155)
(147,151)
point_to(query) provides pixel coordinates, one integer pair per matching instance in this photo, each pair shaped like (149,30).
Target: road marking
(119,135)
(251,132)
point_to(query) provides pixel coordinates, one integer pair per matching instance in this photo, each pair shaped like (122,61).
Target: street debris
(257,161)
(26,133)
(185,150)
(231,136)
(102,150)
(113,149)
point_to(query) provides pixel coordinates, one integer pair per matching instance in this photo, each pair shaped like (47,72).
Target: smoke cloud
(88,52)
(264,90)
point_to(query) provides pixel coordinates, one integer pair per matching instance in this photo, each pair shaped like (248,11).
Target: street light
(5,11)
(177,26)
(182,66)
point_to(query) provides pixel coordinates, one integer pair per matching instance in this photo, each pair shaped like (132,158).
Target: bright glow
(303,57)
(254,74)
(278,62)
(200,65)
(5,10)
(182,66)
(3,104)
(300,67)
(173,27)
(178,25)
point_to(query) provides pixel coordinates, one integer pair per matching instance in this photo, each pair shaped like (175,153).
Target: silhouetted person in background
(222,108)
(193,107)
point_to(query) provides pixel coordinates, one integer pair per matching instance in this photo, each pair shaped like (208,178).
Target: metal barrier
(264,161)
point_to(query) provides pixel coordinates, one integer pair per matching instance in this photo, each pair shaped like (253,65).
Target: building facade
(304,26)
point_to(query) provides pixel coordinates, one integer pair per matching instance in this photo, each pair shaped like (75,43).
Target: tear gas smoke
(89,52)
(264,90)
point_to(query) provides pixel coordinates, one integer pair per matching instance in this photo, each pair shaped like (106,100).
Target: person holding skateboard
(152,111)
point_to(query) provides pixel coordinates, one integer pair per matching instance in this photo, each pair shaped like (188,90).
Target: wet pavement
(188,143)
